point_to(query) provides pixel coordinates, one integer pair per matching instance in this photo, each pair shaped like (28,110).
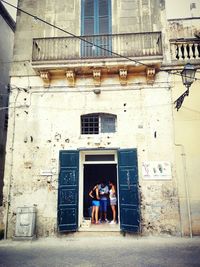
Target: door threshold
(103,227)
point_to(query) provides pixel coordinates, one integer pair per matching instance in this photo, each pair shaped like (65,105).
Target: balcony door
(96,27)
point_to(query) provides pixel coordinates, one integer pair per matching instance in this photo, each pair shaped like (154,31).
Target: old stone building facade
(7,27)
(93,100)
(185,47)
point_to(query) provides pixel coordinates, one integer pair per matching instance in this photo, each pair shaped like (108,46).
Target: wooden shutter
(128,190)
(68,191)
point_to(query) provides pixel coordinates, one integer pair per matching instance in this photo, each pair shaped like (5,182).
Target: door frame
(82,162)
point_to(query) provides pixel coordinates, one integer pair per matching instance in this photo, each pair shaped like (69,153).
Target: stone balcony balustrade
(184,50)
(134,45)
(111,53)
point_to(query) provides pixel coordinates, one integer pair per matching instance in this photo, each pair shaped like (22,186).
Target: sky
(11,10)
(174,8)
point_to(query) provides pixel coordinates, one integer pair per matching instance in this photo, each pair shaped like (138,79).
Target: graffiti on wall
(156,170)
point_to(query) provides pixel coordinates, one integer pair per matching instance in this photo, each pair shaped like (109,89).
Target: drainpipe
(186,186)
(11,169)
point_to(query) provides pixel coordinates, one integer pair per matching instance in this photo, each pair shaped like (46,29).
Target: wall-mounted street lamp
(188,77)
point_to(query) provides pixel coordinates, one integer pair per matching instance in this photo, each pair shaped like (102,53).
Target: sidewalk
(93,251)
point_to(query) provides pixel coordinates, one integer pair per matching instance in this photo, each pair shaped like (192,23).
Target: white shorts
(113,201)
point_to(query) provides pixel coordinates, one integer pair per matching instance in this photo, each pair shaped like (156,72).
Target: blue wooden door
(128,190)
(96,25)
(68,191)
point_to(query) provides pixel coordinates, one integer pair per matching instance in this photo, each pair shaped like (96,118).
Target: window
(104,157)
(96,17)
(96,20)
(192,6)
(98,123)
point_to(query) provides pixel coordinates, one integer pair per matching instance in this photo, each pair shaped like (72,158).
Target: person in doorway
(94,194)
(103,193)
(113,201)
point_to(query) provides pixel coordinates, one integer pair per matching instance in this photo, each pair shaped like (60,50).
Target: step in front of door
(87,226)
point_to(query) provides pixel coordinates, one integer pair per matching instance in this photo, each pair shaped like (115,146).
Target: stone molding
(150,75)
(123,74)
(71,76)
(97,77)
(46,77)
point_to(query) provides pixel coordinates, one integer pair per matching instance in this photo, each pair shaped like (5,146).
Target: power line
(13,61)
(178,74)
(82,39)
(73,35)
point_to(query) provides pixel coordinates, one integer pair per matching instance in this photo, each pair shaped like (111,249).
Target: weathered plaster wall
(45,121)
(48,120)
(183,28)
(63,14)
(187,131)
(137,16)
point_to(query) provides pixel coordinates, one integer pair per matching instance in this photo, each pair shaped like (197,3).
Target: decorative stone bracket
(70,74)
(150,74)
(97,77)
(123,73)
(46,77)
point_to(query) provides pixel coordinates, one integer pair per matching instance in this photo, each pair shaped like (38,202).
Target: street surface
(109,251)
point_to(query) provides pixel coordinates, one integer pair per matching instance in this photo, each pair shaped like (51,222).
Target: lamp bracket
(179,101)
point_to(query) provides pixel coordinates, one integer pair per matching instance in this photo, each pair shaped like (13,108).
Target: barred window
(98,123)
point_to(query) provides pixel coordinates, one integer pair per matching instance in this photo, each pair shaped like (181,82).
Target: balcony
(96,55)
(185,50)
(67,51)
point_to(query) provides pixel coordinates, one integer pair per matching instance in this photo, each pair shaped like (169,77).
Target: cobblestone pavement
(93,251)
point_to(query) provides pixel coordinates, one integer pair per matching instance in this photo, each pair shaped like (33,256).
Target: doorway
(95,174)
(76,177)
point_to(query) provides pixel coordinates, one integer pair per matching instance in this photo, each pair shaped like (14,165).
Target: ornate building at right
(184,41)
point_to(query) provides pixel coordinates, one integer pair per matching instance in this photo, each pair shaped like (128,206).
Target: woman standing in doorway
(113,201)
(94,194)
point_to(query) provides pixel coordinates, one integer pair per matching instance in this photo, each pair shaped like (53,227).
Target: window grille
(98,123)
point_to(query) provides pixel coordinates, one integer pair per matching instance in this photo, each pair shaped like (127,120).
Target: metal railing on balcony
(97,46)
(185,49)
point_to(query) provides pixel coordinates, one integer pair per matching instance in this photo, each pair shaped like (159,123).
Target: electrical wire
(14,61)
(82,39)
(178,74)
(73,35)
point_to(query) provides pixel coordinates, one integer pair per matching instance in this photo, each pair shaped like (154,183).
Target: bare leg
(93,213)
(96,214)
(114,212)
